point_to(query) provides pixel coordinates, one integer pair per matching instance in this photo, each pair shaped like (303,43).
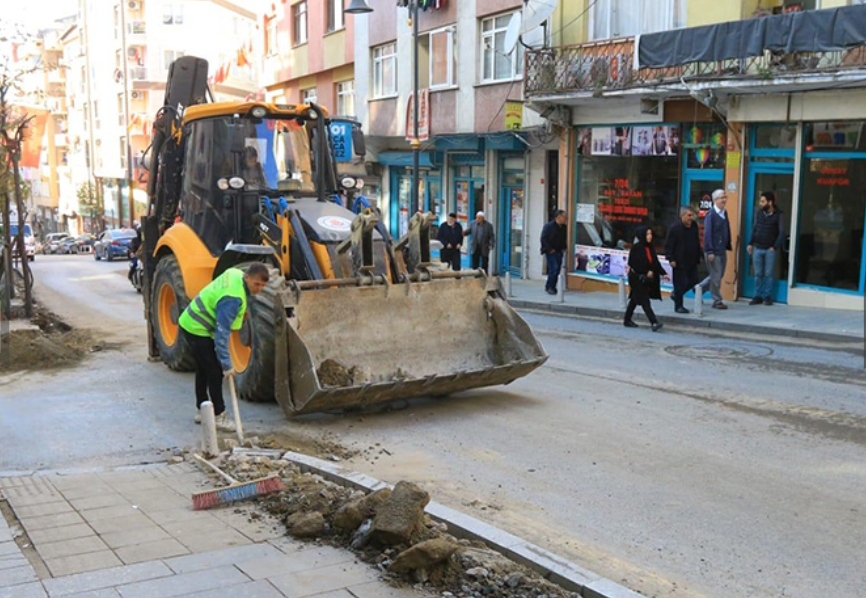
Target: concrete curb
(691,322)
(563,573)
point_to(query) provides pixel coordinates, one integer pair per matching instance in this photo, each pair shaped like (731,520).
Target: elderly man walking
(483,240)
(717,244)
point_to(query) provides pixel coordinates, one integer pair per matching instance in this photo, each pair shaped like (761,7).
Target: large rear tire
(252,348)
(167,303)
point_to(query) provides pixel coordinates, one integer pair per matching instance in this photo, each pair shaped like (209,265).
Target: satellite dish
(536,12)
(512,33)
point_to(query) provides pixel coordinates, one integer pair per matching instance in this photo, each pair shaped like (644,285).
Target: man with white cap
(482,241)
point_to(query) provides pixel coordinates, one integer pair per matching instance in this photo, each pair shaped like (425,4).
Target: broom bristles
(207,499)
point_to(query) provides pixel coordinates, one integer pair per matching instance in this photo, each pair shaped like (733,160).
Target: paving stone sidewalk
(133,534)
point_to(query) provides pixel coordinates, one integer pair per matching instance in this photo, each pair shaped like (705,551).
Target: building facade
(128,47)
(661,125)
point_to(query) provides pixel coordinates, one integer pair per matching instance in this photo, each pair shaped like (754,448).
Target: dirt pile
(389,530)
(53,345)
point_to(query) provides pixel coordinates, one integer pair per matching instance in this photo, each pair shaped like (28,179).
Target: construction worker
(207,322)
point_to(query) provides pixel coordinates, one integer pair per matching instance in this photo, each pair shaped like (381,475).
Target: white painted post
(209,445)
(699,300)
(621,290)
(560,288)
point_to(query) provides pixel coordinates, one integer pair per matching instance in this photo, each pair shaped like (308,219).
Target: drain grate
(714,351)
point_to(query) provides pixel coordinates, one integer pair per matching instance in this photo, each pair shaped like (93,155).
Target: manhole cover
(727,351)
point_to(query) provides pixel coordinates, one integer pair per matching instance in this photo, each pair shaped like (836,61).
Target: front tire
(96,256)
(168,301)
(252,348)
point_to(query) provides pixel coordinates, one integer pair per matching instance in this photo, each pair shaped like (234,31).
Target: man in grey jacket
(483,240)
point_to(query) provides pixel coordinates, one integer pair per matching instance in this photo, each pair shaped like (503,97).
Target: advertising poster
(602,141)
(613,263)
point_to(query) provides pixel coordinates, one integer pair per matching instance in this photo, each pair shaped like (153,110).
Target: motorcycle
(136,273)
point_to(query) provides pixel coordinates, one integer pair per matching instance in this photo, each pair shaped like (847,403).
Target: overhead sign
(423,116)
(513,115)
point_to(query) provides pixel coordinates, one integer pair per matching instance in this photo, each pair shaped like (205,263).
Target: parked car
(80,244)
(52,241)
(113,243)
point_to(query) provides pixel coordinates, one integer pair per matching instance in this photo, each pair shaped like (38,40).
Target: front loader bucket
(361,345)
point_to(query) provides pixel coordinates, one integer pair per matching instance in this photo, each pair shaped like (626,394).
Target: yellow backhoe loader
(350,317)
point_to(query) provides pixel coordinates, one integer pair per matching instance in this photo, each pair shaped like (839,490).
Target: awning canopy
(827,30)
(395,158)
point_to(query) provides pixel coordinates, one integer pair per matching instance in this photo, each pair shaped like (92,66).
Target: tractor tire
(254,363)
(168,301)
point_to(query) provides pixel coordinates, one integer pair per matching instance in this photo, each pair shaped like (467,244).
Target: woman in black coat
(645,273)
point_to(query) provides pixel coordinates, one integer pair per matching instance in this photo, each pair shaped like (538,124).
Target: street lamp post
(361,7)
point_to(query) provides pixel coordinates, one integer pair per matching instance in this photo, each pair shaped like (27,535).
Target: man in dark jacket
(717,244)
(451,236)
(768,234)
(683,251)
(482,242)
(554,239)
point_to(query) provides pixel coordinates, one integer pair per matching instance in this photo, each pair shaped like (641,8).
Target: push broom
(235,491)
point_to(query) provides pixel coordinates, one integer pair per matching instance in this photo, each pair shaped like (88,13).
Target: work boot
(197,417)
(224,424)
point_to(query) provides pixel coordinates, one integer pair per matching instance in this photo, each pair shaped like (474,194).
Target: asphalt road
(676,463)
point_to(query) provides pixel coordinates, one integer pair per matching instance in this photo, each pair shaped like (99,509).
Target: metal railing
(610,65)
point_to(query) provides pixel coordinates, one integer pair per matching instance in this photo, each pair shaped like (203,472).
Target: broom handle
(223,474)
(234,393)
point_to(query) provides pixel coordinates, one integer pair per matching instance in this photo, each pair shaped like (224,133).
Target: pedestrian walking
(717,244)
(208,321)
(683,251)
(768,234)
(451,236)
(483,241)
(554,239)
(644,278)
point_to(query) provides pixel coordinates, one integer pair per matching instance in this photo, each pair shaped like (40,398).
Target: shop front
(817,171)
(628,176)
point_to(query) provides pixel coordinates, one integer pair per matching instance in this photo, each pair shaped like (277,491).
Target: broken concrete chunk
(352,514)
(305,524)
(423,555)
(400,515)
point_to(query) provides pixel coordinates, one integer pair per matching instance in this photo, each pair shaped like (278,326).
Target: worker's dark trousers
(208,372)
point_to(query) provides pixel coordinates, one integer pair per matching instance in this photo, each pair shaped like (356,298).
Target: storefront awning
(425,159)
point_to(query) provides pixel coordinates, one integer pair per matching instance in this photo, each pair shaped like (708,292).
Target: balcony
(136,30)
(731,59)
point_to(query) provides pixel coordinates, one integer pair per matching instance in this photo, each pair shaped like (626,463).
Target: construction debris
(388,529)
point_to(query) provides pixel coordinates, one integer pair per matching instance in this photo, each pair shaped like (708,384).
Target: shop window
(775,137)
(830,236)
(704,145)
(627,177)
(842,136)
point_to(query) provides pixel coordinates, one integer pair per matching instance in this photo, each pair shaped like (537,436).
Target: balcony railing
(610,65)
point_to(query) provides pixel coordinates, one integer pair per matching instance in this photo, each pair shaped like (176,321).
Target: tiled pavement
(133,534)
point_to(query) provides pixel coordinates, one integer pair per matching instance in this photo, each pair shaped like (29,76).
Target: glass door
(779,179)
(698,187)
(468,199)
(510,243)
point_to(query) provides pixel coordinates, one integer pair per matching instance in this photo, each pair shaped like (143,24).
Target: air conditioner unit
(137,95)
(132,53)
(132,4)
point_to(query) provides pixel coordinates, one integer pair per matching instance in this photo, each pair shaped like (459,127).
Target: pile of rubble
(43,342)
(388,529)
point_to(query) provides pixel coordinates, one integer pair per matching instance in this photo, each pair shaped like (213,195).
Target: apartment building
(663,101)
(480,151)
(119,57)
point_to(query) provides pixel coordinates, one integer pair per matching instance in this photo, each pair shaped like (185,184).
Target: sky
(37,13)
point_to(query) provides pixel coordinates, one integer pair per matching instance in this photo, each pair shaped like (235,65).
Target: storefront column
(734,189)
